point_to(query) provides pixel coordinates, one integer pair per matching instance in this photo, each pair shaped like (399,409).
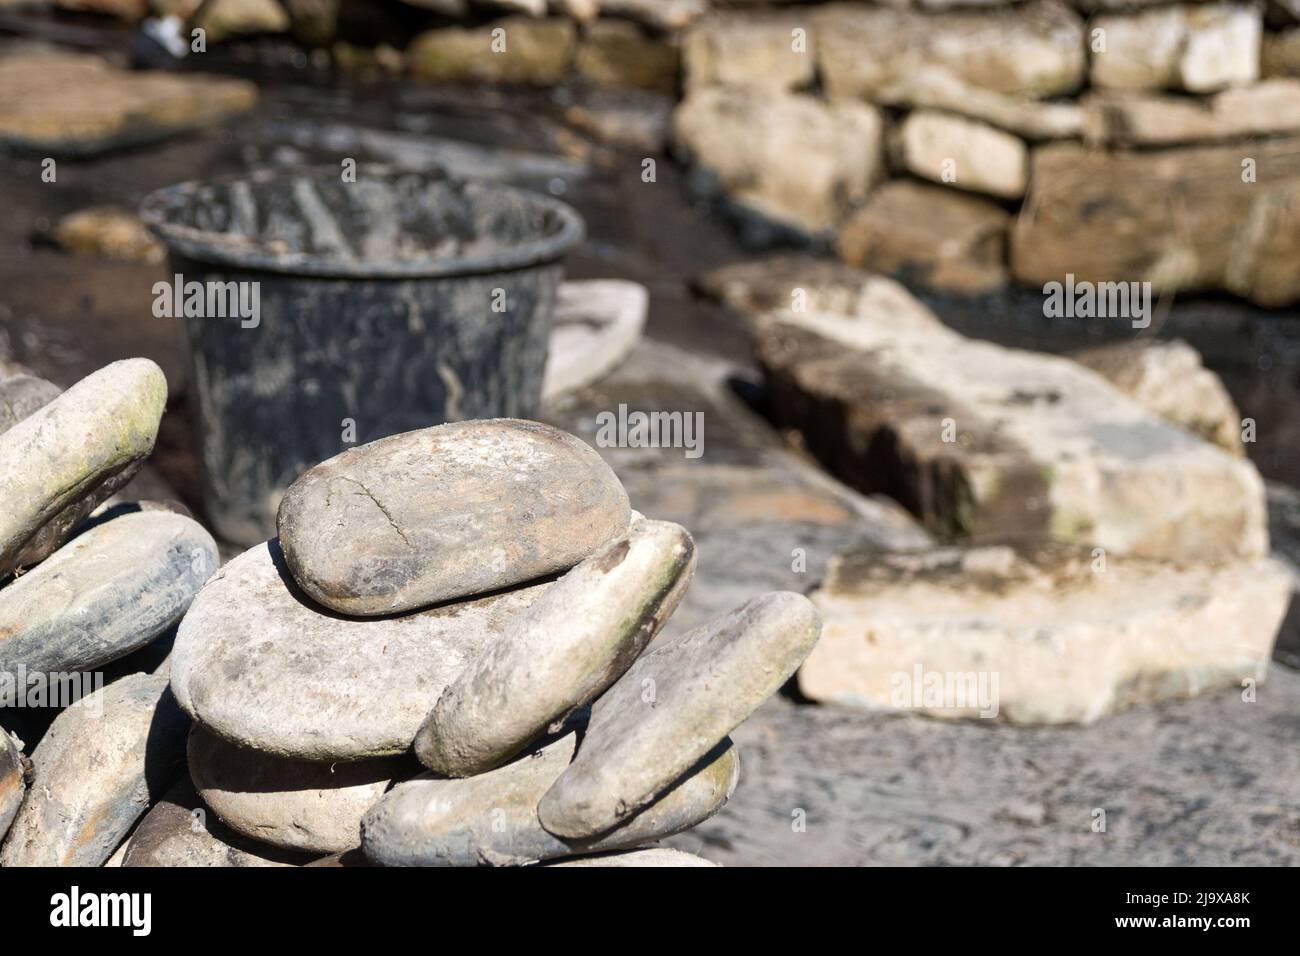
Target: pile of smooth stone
(446,657)
(477,597)
(88,586)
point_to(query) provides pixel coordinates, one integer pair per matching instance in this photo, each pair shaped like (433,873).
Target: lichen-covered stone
(95,772)
(446,512)
(260,664)
(107,592)
(287,803)
(61,460)
(573,642)
(672,706)
(492,818)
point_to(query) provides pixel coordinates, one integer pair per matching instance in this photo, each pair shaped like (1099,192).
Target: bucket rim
(204,246)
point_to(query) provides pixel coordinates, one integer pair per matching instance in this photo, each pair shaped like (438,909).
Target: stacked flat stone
(83,586)
(447,657)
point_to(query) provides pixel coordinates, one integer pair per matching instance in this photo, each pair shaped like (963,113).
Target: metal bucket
(395,302)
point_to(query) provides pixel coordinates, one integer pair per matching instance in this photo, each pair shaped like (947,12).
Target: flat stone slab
(261,665)
(986,442)
(651,856)
(290,804)
(1120,216)
(13,783)
(595,325)
(1206,782)
(60,461)
(961,153)
(446,512)
(74,104)
(491,819)
(107,592)
(672,706)
(180,831)
(1051,635)
(95,772)
(572,643)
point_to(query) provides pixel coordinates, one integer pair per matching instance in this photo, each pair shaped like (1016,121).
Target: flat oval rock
(290,804)
(60,461)
(647,856)
(100,765)
(675,703)
(446,512)
(104,594)
(570,645)
(491,819)
(12,782)
(181,831)
(262,666)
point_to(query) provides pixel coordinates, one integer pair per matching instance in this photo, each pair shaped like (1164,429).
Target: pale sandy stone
(596,323)
(1199,48)
(442,513)
(95,772)
(962,153)
(984,441)
(672,706)
(574,641)
(618,54)
(261,665)
(1129,118)
(61,460)
(742,138)
(649,856)
(287,803)
(759,51)
(1167,378)
(492,818)
(537,52)
(1048,635)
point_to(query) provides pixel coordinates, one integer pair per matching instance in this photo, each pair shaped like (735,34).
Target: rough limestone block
(983,441)
(749,50)
(531,52)
(1198,48)
(962,153)
(1127,118)
(1048,635)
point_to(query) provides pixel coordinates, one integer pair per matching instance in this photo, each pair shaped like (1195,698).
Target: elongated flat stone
(570,645)
(101,596)
(291,804)
(492,818)
(20,395)
(445,512)
(96,770)
(1047,635)
(181,831)
(672,706)
(12,782)
(60,461)
(261,665)
(648,856)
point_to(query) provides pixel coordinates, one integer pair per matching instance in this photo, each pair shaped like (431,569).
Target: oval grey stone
(261,665)
(291,804)
(673,705)
(442,513)
(95,772)
(20,395)
(102,595)
(570,645)
(12,779)
(491,819)
(180,831)
(60,461)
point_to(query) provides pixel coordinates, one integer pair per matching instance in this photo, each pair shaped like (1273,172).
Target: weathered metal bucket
(321,313)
